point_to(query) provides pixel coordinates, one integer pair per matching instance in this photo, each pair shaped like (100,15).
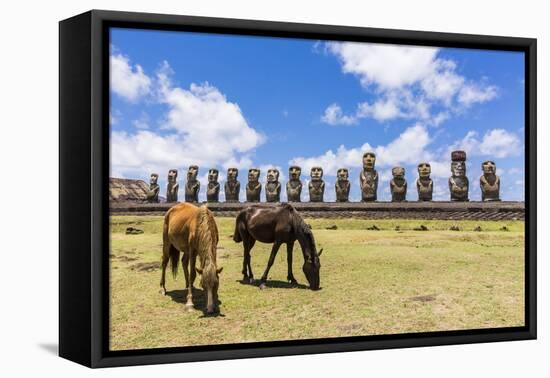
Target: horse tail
(173,253)
(174,259)
(236,234)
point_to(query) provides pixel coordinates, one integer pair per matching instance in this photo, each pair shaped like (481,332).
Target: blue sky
(182,98)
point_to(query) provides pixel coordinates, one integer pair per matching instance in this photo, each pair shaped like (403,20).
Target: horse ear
(199,270)
(321,251)
(219,270)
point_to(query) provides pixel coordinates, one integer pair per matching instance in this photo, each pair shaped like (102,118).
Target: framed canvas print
(234,188)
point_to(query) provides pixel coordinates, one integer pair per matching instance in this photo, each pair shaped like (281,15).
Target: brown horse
(279,224)
(193,231)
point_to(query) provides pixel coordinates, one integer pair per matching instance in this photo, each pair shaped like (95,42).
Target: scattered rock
(478,229)
(133,231)
(454,228)
(373,228)
(423,298)
(421,228)
(397,228)
(126,258)
(504,228)
(146,267)
(333,227)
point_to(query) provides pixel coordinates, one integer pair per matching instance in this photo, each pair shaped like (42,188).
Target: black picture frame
(84,201)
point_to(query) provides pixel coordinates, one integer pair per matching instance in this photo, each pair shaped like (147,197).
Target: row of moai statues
(368,178)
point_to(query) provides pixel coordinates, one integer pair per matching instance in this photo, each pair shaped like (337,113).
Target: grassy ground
(392,280)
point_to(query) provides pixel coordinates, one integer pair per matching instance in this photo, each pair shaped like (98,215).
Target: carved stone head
(316,173)
(489,167)
(154,178)
(192,172)
(232,174)
(172,175)
(294,172)
(272,175)
(342,174)
(458,165)
(424,170)
(458,168)
(253,175)
(213,175)
(369,160)
(398,172)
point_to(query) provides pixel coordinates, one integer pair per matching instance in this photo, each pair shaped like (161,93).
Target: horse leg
(247,270)
(290,275)
(165,259)
(193,272)
(274,251)
(185,263)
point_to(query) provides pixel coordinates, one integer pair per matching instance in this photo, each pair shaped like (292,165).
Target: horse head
(312,263)
(210,281)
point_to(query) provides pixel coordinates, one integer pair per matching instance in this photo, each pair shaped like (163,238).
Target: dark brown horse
(277,225)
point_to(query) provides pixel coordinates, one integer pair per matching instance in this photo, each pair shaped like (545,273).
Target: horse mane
(206,239)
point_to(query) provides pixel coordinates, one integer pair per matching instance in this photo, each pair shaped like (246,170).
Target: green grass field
(387,281)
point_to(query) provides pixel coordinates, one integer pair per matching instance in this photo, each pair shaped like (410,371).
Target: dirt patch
(146,267)
(423,298)
(126,258)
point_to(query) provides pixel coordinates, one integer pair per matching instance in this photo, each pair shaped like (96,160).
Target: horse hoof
(189,306)
(251,280)
(293,282)
(162,292)
(262,286)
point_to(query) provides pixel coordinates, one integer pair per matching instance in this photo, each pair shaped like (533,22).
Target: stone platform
(372,210)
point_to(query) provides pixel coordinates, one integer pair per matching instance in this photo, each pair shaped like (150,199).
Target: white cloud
(496,143)
(471,94)
(127,81)
(201,126)
(334,116)
(408,146)
(500,143)
(387,66)
(408,81)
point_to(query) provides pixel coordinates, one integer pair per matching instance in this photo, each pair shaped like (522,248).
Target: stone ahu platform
(372,210)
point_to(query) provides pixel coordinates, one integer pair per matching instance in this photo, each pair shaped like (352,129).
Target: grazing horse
(279,224)
(193,231)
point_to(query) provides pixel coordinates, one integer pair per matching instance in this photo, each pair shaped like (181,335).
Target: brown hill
(127,190)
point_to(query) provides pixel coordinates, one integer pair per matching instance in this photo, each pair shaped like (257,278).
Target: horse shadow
(199,301)
(275,284)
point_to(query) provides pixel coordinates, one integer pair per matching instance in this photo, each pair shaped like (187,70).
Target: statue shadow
(275,284)
(199,301)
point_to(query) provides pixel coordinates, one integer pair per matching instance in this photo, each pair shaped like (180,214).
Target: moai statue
(458,182)
(154,188)
(398,185)
(254,186)
(213,187)
(316,185)
(368,179)
(173,186)
(489,182)
(294,185)
(342,185)
(232,185)
(424,184)
(192,186)
(273,186)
